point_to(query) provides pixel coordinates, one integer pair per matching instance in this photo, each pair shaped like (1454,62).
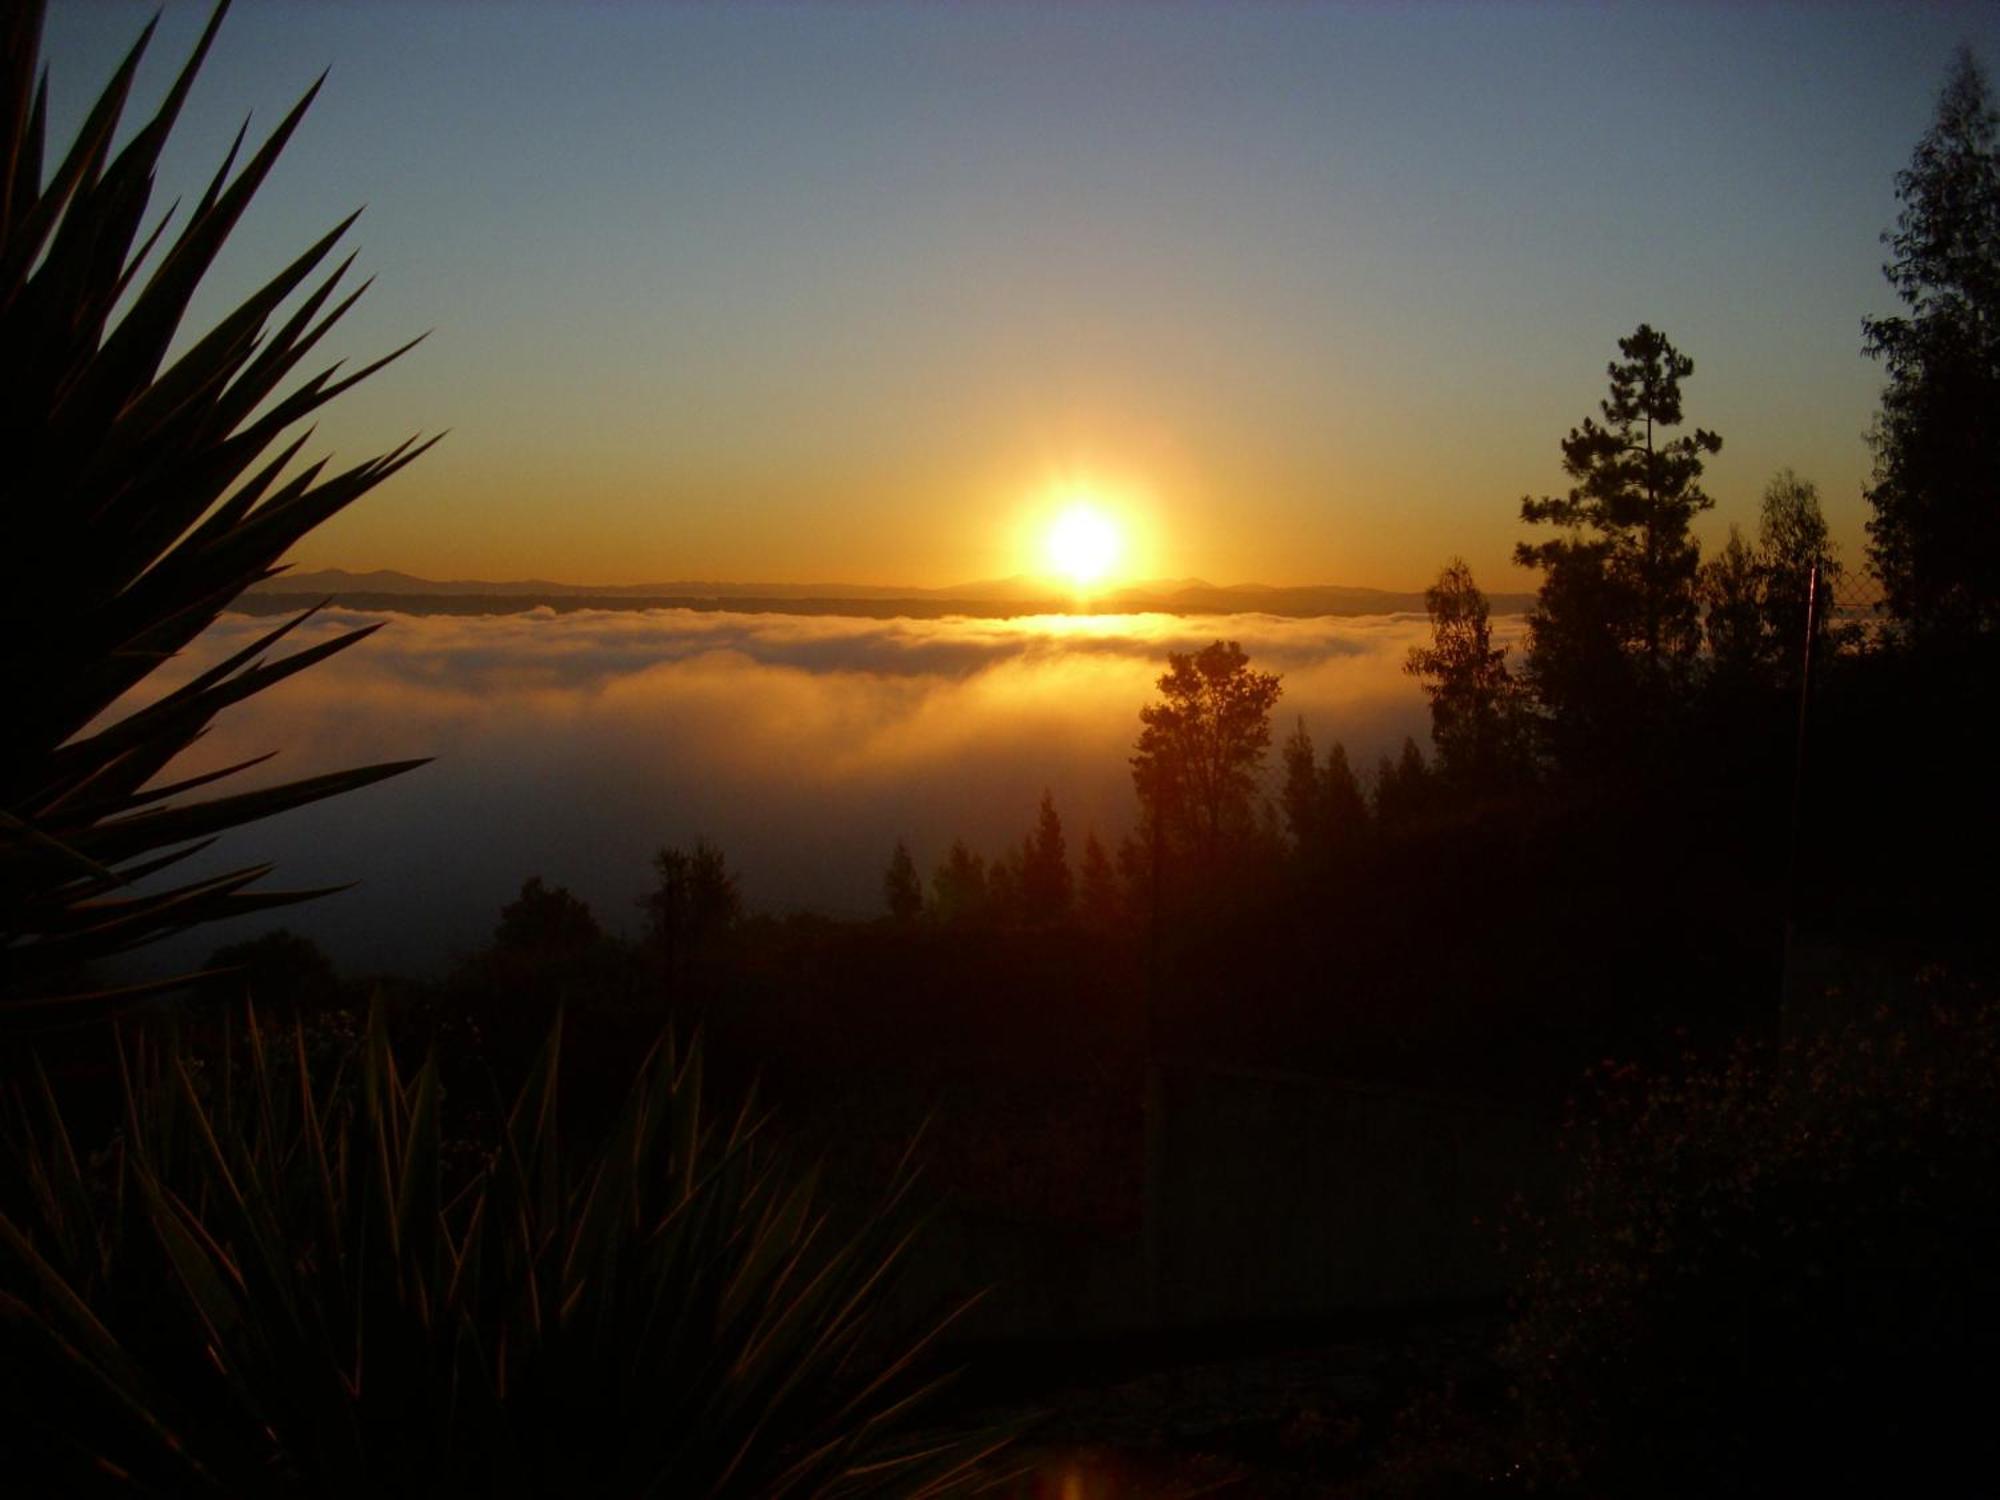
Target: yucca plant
(141,496)
(279,1283)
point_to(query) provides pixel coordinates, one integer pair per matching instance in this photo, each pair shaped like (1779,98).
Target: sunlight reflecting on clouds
(572,745)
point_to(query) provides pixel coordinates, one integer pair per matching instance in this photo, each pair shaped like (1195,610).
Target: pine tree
(1099,901)
(1402,788)
(902,891)
(1617,622)
(1303,797)
(1045,878)
(1475,722)
(1935,535)
(1347,816)
(958,885)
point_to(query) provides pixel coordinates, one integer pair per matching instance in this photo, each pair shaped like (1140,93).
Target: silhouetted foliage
(1004,903)
(1199,752)
(1772,1275)
(132,526)
(958,885)
(902,890)
(1325,812)
(1300,796)
(1755,598)
(1935,535)
(1617,622)
(1098,899)
(1476,721)
(1792,542)
(546,920)
(1734,585)
(280,972)
(1346,808)
(1403,789)
(694,904)
(277,1280)
(1046,886)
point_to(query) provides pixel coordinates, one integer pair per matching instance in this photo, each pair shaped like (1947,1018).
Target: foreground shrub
(278,1282)
(144,495)
(1776,1276)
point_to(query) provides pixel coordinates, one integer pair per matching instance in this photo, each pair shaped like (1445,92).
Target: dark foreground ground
(1306,1410)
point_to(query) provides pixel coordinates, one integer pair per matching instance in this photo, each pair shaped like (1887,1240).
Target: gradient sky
(848,292)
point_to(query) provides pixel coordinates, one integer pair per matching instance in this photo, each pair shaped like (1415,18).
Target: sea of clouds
(574,745)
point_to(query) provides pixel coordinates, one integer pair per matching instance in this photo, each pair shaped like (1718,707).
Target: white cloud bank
(574,745)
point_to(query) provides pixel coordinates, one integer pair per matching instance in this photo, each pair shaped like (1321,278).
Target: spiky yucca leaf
(279,1282)
(137,504)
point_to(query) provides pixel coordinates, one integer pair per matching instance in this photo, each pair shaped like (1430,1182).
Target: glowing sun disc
(1083,545)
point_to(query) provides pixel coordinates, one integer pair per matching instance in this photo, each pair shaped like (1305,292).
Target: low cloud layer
(572,746)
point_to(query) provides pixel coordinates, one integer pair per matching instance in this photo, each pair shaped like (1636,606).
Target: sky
(573,746)
(865,293)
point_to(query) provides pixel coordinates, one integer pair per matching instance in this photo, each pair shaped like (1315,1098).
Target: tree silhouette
(1201,746)
(1325,810)
(1045,879)
(1302,797)
(280,972)
(902,891)
(695,902)
(1099,901)
(1617,621)
(1792,541)
(1475,720)
(1402,788)
(1346,807)
(1935,535)
(1734,587)
(545,919)
(958,885)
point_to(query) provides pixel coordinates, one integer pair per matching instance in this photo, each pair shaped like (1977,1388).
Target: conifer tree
(1045,879)
(1935,535)
(1346,807)
(1402,788)
(1303,797)
(1099,901)
(958,885)
(902,891)
(1617,623)
(1475,722)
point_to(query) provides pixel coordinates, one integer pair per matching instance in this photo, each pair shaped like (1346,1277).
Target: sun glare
(1083,545)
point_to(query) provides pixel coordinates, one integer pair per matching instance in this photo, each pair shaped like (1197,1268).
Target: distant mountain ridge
(388,589)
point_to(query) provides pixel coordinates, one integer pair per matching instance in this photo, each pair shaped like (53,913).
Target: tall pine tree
(1618,622)
(1935,535)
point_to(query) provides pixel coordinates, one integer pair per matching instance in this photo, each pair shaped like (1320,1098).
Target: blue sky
(1306,293)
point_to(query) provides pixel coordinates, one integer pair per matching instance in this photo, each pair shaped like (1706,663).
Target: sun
(1083,545)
